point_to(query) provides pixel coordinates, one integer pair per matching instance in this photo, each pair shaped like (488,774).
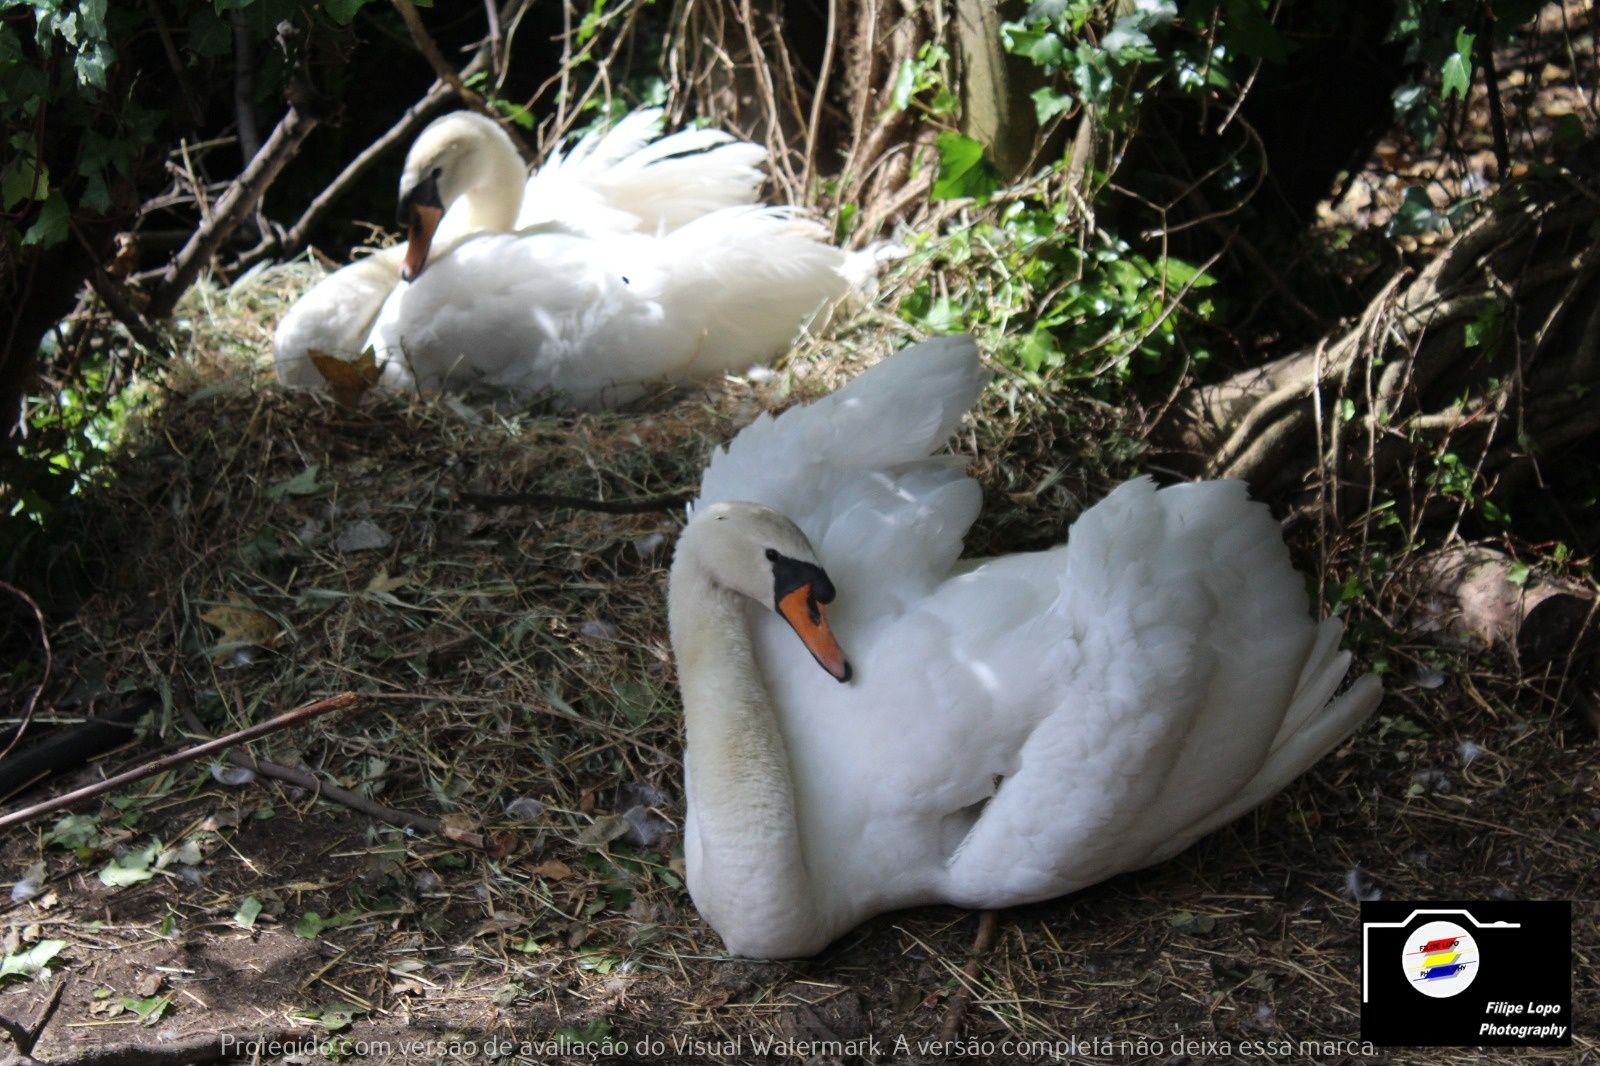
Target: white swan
(1007,730)
(633,260)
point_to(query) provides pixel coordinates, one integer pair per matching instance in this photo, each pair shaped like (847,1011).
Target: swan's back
(1022,727)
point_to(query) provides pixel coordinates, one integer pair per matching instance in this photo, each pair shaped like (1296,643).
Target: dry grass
(519,680)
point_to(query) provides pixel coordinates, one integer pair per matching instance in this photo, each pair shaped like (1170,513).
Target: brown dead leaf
(461,829)
(554,869)
(713,997)
(348,379)
(227,818)
(149,984)
(603,830)
(503,842)
(382,582)
(241,623)
(503,922)
(406,986)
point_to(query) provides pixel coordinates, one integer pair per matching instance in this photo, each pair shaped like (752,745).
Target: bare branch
(237,204)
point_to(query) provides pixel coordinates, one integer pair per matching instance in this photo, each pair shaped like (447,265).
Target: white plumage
(1016,728)
(631,259)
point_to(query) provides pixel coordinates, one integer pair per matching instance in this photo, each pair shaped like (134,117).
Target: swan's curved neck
(746,867)
(491,203)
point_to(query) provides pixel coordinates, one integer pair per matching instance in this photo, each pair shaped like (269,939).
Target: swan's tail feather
(672,190)
(1325,668)
(602,148)
(1316,723)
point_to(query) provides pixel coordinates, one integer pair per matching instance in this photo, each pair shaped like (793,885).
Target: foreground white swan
(1007,730)
(628,261)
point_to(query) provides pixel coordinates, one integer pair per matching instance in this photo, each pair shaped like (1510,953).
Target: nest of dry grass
(257,548)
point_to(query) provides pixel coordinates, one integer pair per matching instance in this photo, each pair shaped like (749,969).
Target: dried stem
(44,639)
(342,702)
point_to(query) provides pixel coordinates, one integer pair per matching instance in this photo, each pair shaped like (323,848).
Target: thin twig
(430,51)
(342,702)
(641,505)
(496,42)
(447,74)
(44,639)
(309,781)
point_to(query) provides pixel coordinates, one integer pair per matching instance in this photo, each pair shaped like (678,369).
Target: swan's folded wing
(855,471)
(1175,646)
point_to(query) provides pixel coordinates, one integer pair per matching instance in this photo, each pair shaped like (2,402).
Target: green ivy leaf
(1048,103)
(1127,40)
(1040,44)
(343,12)
(132,868)
(944,315)
(309,926)
(208,35)
(1248,29)
(50,228)
(27,963)
(1416,110)
(304,483)
(963,169)
(905,86)
(149,1010)
(249,910)
(1180,273)
(73,832)
(1456,74)
(24,178)
(1415,215)
(91,63)
(96,197)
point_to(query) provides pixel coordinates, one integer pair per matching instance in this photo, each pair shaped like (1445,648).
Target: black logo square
(1476,974)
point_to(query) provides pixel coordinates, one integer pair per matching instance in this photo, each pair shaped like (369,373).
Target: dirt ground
(518,681)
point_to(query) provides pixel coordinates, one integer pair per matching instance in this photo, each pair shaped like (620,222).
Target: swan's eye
(772,555)
(438,172)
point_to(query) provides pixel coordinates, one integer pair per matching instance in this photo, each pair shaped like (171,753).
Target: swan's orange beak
(419,236)
(801,609)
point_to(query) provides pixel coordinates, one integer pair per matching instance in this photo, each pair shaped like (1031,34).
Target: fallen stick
(640,505)
(354,800)
(342,702)
(988,923)
(25,1037)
